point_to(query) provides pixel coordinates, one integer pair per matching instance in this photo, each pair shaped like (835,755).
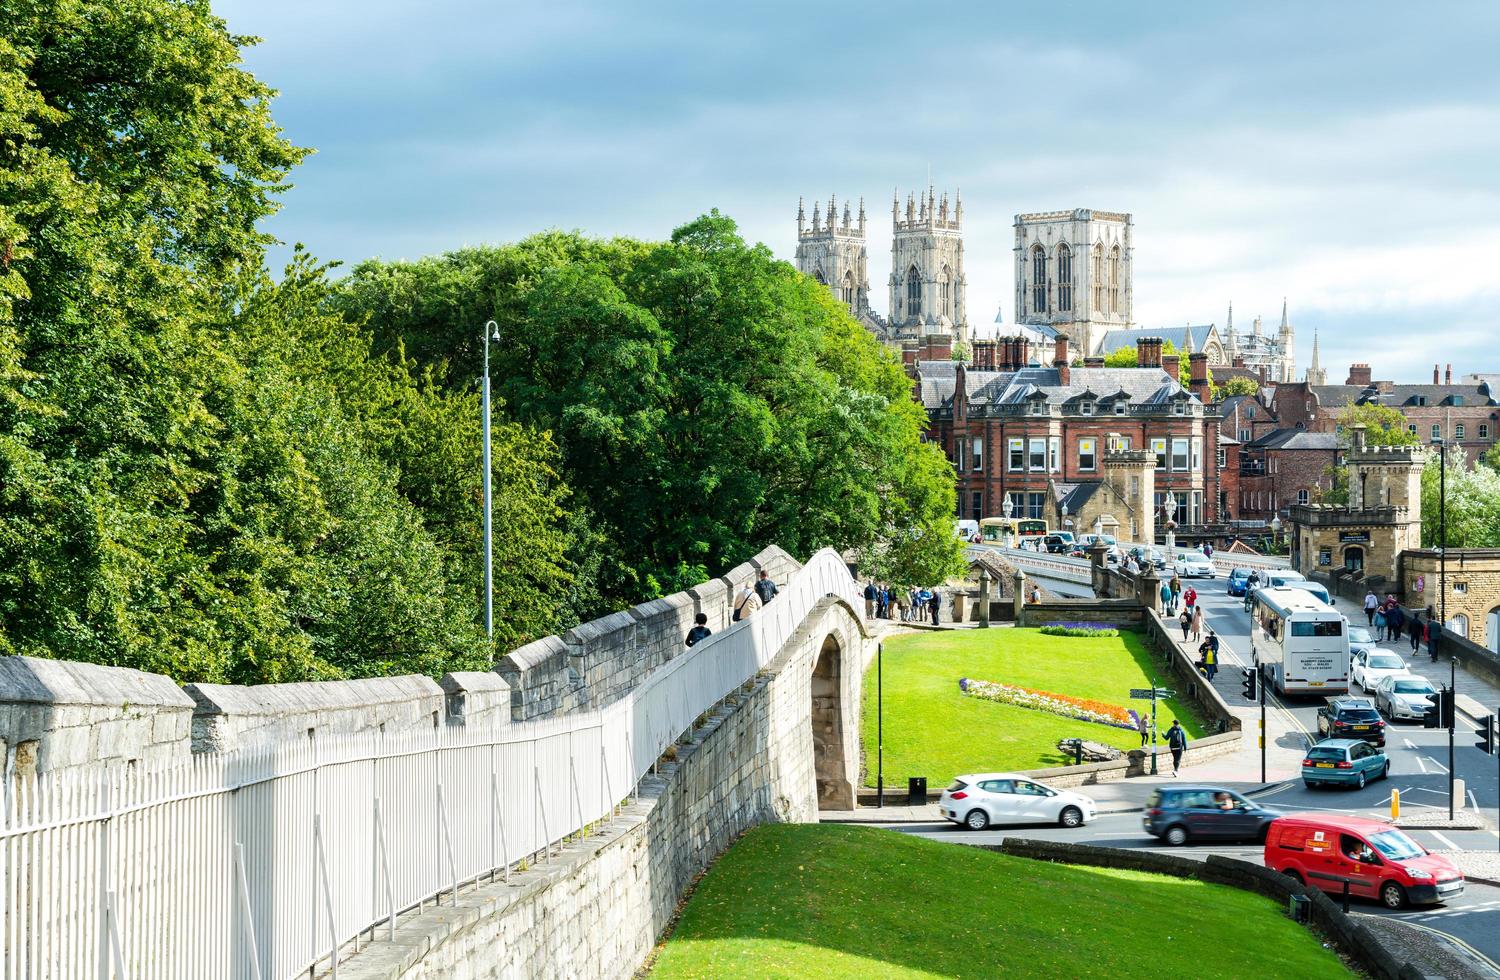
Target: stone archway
(835,790)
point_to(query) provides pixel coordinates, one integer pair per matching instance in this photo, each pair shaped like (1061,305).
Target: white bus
(1300,643)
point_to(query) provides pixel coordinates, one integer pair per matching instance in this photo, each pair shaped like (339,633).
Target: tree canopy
(1472,516)
(1384,425)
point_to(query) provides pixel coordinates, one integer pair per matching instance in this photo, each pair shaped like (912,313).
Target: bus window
(1333,628)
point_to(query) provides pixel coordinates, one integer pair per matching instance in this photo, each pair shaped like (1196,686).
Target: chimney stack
(984,355)
(1198,376)
(1060,360)
(1148,352)
(1435,375)
(1359,374)
(1093,362)
(1172,364)
(1448,374)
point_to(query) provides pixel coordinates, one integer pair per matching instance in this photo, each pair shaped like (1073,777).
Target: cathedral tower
(833,252)
(927,267)
(1073,273)
(1286,340)
(1315,373)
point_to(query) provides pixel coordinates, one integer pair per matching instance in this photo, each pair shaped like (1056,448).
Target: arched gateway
(835,790)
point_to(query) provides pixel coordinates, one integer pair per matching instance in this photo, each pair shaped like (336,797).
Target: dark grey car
(1182,814)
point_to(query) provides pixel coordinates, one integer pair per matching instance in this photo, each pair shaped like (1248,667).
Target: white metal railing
(274,863)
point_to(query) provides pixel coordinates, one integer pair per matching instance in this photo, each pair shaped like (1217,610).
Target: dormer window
(1419,400)
(1179,408)
(1119,408)
(1085,407)
(1458,400)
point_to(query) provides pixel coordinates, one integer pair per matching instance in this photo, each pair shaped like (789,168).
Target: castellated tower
(833,252)
(1073,273)
(927,268)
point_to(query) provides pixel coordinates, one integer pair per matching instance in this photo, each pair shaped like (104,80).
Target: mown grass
(831,902)
(933,730)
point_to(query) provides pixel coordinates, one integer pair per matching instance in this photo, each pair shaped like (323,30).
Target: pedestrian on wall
(765,589)
(1166,599)
(746,603)
(700,630)
(1177,742)
(1187,623)
(1036,594)
(1211,655)
(1379,620)
(869,600)
(937,605)
(1197,622)
(1371,603)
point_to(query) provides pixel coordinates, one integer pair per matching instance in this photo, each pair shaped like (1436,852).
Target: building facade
(1256,350)
(927,280)
(1073,273)
(835,253)
(1466,588)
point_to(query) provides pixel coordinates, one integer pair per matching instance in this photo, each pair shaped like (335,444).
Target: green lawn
(933,730)
(830,901)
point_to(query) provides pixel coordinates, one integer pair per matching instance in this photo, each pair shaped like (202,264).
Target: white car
(1194,566)
(978,800)
(1367,668)
(1404,696)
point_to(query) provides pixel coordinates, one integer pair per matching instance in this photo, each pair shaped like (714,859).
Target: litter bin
(1299,906)
(916,791)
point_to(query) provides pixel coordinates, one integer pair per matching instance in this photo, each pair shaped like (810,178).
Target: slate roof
(1179,336)
(1295,439)
(1075,495)
(1399,395)
(1143,386)
(1336,396)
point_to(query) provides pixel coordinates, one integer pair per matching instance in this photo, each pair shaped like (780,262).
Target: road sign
(1149,694)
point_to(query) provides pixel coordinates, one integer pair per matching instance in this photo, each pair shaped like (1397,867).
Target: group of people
(882,601)
(1389,621)
(751,597)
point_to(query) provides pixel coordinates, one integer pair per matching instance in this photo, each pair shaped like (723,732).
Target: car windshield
(1358,634)
(1396,845)
(1387,662)
(1240,573)
(1413,687)
(1326,752)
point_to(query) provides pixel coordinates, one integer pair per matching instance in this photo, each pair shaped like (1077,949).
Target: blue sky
(1343,155)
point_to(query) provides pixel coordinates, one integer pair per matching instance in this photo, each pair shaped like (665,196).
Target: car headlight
(1418,873)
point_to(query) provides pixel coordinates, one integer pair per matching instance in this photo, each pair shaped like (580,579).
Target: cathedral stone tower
(834,253)
(1287,341)
(927,268)
(1073,273)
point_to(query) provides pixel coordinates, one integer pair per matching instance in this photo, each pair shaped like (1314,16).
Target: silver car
(1404,697)
(978,800)
(1194,566)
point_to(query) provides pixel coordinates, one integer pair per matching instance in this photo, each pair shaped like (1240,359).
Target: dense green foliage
(1235,386)
(1472,518)
(932,729)
(832,901)
(1384,425)
(708,400)
(1125,357)
(201,472)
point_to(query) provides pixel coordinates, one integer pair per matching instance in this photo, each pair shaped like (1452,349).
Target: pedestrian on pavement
(903,604)
(765,589)
(1176,584)
(1208,551)
(1395,620)
(1177,742)
(1210,659)
(869,600)
(1370,603)
(882,602)
(937,604)
(700,630)
(1417,629)
(1166,599)
(1197,622)
(1187,624)
(746,604)
(1190,597)
(1143,726)
(1379,625)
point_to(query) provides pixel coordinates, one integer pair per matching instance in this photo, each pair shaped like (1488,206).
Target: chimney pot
(1435,374)
(1172,364)
(1448,374)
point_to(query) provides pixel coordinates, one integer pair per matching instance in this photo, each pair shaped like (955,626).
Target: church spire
(861,215)
(1229,337)
(801,216)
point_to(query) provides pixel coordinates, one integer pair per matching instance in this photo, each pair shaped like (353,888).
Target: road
(1469,919)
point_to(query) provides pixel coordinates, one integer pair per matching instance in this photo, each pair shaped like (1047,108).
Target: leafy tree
(1473,503)
(1235,386)
(1337,490)
(1384,425)
(1126,356)
(1491,457)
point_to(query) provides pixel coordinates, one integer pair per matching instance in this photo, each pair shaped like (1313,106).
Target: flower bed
(1079,629)
(1081,709)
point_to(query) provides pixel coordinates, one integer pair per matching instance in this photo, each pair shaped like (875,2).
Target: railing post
(499,821)
(541,806)
(242,891)
(114,936)
(106,894)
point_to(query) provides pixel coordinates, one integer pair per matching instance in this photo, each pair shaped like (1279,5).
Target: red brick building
(1284,467)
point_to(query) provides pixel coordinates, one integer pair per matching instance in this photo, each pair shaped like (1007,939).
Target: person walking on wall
(1370,603)
(1418,628)
(869,600)
(1176,584)
(1395,620)
(765,589)
(700,630)
(746,603)
(1177,742)
(1190,598)
(1211,654)
(1379,620)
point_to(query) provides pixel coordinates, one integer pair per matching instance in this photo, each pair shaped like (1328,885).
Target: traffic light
(1249,673)
(1486,734)
(1440,715)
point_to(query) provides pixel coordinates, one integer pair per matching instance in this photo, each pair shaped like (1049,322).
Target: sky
(1341,155)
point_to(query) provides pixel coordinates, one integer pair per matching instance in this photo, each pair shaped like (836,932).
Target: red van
(1374,856)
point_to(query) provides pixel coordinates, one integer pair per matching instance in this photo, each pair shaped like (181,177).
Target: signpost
(1151,694)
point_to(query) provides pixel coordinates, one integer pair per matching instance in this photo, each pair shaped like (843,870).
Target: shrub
(1079,629)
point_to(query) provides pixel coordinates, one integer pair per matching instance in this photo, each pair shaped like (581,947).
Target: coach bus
(1300,643)
(992,529)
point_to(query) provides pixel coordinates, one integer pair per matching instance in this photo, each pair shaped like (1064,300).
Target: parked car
(1192,565)
(982,799)
(1152,556)
(1182,814)
(1060,542)
(1344,762)
(1379,861)
(1239,581)
(1351,718)
(1371,666)
(1086,541)
(1360,638)
(1404,696)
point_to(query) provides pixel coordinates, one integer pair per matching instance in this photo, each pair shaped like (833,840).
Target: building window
(1461,588)
(1302,497)
(1197,454)
(1119,408)
(1420,401)
(1085,407)
(1244,435)
(1017,503)
(1118,443)
(1064,278)
(1460,625)
(977,445)
(1038,279)
(1458,431)
(1484,431)
(958,451)
(1221,458)
(913,292)
(1159,447)
(977,502)
(1035,503)
(944,309)
(1412,428)
(1038,454)
(1457,401)
(1088,454)
(1437,431)
(1197,511)
(849,289)
(1096,276)
(1038,406)
(1114,279)
(1017,455)
(1180,455)
(1179,408)
(1054,454)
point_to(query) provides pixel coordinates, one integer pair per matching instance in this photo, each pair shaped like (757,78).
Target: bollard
(1346,896)
(1458,794)
(1395,804)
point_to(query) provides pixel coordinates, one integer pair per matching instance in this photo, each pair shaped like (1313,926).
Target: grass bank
(840,901)
(933,730)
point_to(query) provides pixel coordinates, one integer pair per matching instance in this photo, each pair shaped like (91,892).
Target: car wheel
(1262,833)
(976,819)
(1071,816)
(1392,895)
(1292,874)
(1309,784)
(1360,784)
(1176,835)
(1385,771)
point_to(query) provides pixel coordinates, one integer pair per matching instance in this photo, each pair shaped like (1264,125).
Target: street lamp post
(490,329)
(1442,448)
(1008,508)
(1171,527)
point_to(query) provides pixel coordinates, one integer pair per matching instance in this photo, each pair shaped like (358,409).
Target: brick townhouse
(1037,434)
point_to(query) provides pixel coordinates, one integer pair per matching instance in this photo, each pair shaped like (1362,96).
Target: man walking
(1177,742)
(1370,603)
(869,600)
(937,604)
(765,588)
(1395,620)
(1417,629)
(746,603)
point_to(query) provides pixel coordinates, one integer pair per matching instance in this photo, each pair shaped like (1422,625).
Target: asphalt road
(1470,919)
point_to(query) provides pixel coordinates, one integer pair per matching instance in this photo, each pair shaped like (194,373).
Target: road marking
(1473,800)
(1409,743)
(1446,842)
(1489,963)
(1434,762)
(1420,763)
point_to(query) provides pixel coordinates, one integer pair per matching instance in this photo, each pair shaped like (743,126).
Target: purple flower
(963,683)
